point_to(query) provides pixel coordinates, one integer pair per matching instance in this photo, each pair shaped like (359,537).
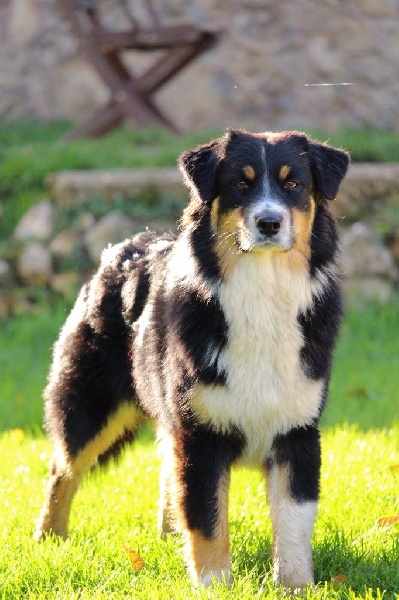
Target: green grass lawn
(117,508)
(29,151)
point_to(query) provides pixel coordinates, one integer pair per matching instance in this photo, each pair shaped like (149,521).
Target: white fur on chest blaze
(266,392)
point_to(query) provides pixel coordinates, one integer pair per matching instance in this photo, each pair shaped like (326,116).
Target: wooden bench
(131,95)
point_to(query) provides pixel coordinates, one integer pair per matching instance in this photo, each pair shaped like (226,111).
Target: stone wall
(264,74)
(58,242)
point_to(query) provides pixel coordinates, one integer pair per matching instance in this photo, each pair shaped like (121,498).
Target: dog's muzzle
(265,227)
(269,224)
(268,228)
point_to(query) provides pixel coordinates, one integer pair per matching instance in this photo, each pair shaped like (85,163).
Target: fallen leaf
(134,558)
(386,522)
(382,523)
(359,393)
(339,580)
(16,435)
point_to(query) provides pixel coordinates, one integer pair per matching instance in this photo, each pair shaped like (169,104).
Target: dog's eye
(241,184)
(291,185)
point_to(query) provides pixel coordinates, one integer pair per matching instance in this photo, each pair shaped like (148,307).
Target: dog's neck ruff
(262,278)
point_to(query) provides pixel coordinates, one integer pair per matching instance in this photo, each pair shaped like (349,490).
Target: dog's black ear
(199,168)
(329,166)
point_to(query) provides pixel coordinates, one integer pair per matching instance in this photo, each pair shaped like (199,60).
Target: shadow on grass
(364,566)
(337,562)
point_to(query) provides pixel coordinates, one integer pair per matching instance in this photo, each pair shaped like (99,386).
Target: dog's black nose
(268,224)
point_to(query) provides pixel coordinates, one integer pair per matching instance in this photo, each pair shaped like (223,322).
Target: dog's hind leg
(86,415)
(168,487)
(68,469)
(61,488)
(166,522)
(89,408)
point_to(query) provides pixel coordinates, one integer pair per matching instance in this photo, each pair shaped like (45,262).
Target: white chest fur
(266,392)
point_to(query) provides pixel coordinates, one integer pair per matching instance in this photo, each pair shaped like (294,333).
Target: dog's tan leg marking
(67,472)
(127,417)
(165,515)
(292,526)
(209,559)
(61,489)
(168,494)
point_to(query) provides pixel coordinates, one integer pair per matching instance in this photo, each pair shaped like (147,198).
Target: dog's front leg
(208,553)
(293,489)
(202,461)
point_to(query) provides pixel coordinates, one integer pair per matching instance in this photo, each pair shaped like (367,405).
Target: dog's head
(262,191)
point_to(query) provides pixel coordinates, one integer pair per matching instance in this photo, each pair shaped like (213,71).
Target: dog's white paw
(225,576)
(295,585)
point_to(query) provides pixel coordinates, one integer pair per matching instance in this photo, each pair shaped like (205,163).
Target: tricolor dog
(224,335)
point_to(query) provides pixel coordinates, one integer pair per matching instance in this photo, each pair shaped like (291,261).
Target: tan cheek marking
(302,227)
(284,172)
(226,248)
(215,214)
(297,259)
(249,172)
(229,221)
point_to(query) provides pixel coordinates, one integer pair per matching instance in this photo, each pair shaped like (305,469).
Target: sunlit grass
(117,508)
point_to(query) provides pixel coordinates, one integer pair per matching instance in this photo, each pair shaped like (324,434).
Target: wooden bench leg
(170,64)
(103,120)
(127,106)
(131,96)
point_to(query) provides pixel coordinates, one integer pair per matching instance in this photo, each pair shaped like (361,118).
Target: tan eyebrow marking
(249,172)
(284,172)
